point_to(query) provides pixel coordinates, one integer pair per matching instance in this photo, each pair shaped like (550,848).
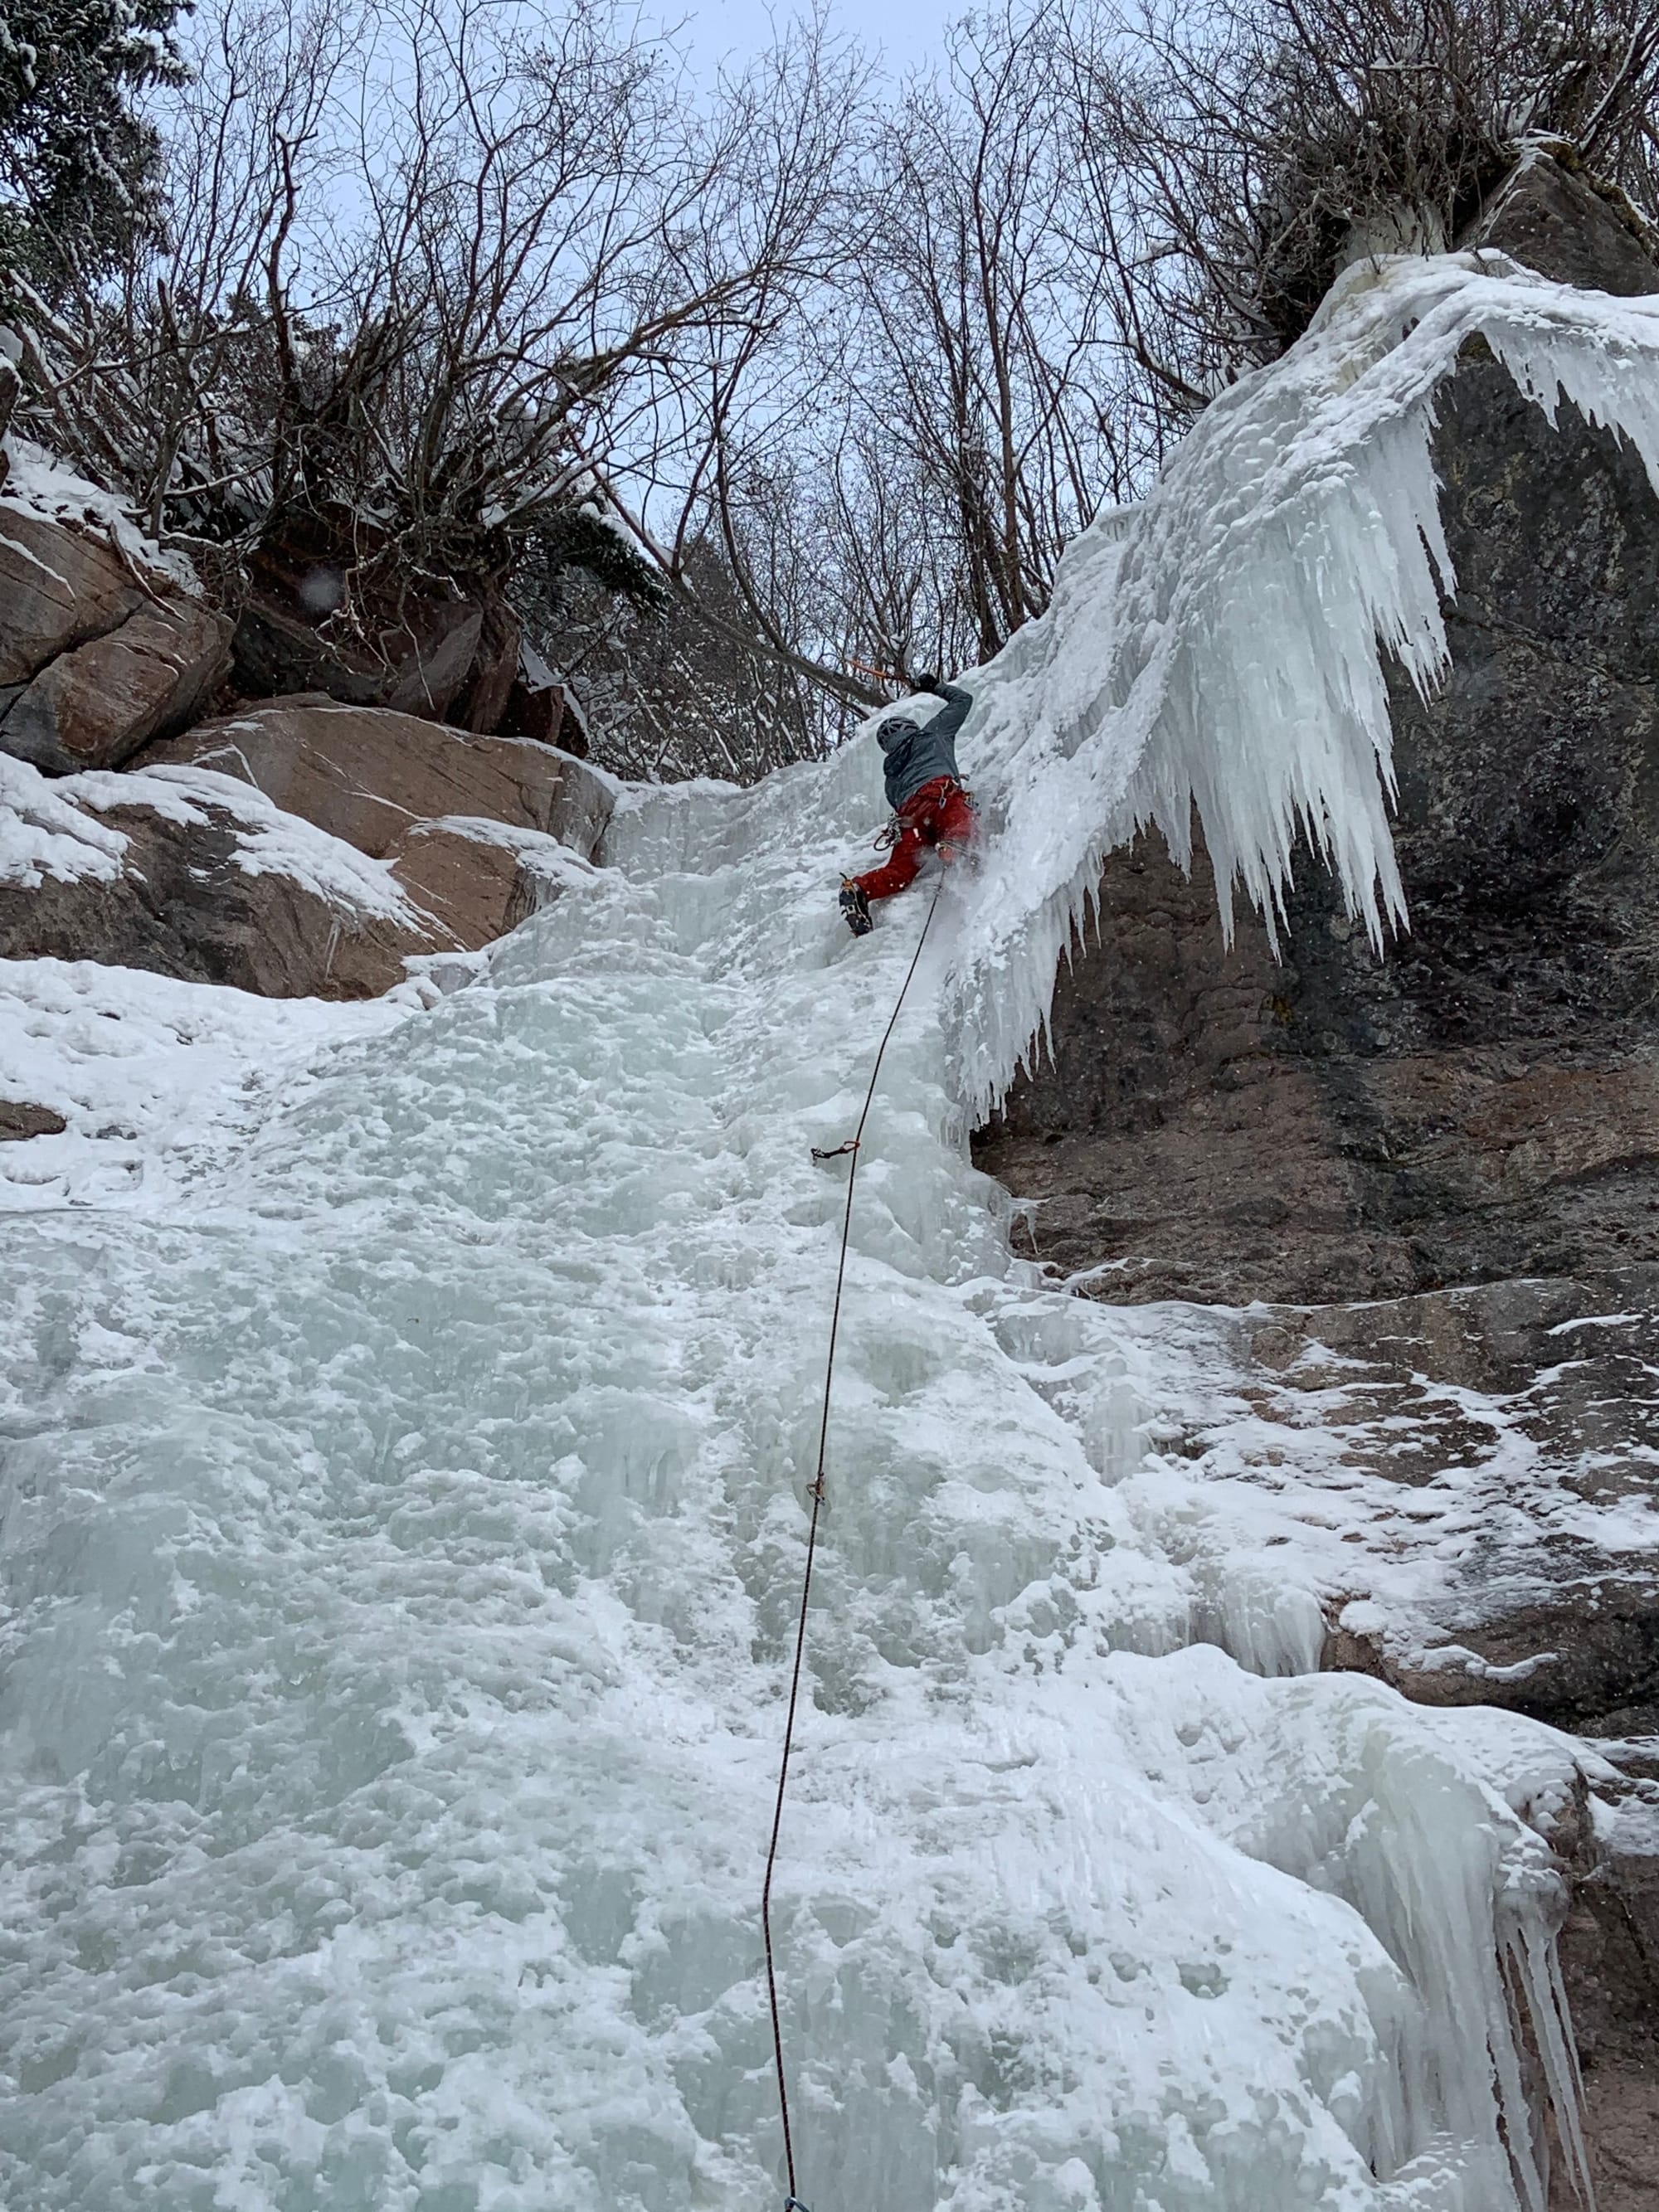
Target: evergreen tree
(78,167)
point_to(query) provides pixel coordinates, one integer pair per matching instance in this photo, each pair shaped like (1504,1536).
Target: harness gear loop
(818,1494)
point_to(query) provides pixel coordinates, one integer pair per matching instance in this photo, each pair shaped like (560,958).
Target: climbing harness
(895,826)
(815,1492)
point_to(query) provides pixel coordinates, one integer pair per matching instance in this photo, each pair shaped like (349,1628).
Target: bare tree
(892,476)
(1238,152)
(668,692)
(985,357)
(423,274)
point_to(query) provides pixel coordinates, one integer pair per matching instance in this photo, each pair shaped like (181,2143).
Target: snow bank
(1217,647)
(44,833)
(49,827)
(159,1082)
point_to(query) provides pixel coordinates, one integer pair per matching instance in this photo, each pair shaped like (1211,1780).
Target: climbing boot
(855,905)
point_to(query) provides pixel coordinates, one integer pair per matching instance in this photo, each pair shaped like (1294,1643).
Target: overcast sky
(906,31)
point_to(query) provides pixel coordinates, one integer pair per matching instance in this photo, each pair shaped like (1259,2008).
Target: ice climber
(931,809)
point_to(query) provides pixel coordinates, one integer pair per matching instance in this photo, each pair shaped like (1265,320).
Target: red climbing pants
(941,814)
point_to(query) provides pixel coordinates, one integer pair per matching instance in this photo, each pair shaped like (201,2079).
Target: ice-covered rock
(1463,1475)
(1481,1102)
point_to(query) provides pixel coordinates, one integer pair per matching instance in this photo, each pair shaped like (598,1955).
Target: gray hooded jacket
(917,750)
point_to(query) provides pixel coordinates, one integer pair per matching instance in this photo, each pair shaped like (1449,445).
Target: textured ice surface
(402,1531)
(158,1081)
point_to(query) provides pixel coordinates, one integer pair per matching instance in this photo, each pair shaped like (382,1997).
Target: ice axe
(876,676)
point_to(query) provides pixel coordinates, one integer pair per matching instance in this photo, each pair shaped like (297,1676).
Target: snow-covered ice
(159,1082)
(402,1526)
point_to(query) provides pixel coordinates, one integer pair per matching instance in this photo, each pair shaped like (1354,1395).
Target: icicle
(1220,646)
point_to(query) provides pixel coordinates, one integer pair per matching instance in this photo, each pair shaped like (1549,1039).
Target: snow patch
(159,1081)
(40,484)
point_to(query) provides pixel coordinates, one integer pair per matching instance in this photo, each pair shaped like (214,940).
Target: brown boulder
(476,886)
(57,590)
(96,704)
(183,903)
(482,698)
(366,773)
(181,867)
(19,1121)
(1551,218)
(539,706)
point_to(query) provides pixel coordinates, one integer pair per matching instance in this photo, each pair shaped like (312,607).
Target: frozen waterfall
(402,1524)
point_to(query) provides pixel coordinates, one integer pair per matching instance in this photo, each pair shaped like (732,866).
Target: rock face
(538,705)
(1551,218)
(1522,1410)
(1476,1475)
(1481,1104)
(183,903)
(93,664)
(303,848)
(367,774)
(97,705)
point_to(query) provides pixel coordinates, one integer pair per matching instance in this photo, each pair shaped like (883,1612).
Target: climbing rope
(816,1492)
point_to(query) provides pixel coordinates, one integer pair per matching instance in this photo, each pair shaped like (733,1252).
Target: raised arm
(957,703)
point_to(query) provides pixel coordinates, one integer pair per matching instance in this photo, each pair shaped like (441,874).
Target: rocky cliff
(1463,1134)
